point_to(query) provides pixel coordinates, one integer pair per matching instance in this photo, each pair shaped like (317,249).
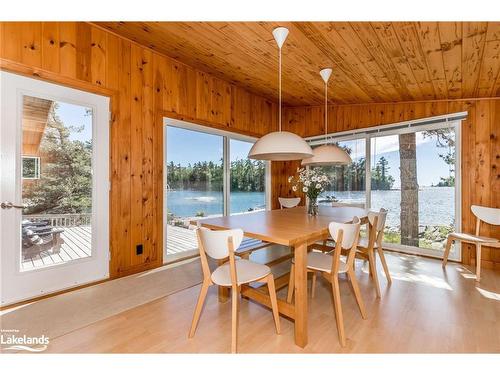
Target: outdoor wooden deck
(77,245)
(180,240)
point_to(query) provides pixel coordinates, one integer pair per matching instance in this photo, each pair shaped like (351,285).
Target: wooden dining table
(291,227)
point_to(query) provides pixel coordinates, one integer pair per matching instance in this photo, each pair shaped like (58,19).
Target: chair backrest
(346,204)
(377,222)
(381,218)
(346,236)
(215,243)
(288,202)
(489,215)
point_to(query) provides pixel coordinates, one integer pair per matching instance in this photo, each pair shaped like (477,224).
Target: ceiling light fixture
(280,145)
(327,154)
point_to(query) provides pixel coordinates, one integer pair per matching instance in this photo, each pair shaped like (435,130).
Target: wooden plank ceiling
(35,117)
(372,61)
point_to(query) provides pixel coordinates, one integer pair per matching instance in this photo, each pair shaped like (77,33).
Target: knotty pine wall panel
(144,86)
(480,148)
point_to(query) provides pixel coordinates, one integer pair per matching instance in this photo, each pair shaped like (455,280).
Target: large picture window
(207,174)
(412,173)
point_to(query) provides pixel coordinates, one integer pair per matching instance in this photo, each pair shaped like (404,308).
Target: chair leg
(384,264)
(478,262)
(199,307)
(234,319)
(291,284)
(274,302)
(373,271)
(357,293)
(447,249)
(313,284)
(338,309)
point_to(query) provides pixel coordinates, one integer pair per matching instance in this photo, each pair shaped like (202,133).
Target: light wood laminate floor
(426,310)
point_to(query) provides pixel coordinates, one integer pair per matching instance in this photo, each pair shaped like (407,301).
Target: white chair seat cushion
(323,262)
(473,238)
(246,272)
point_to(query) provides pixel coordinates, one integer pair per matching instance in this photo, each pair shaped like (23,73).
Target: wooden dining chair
(325,247)
(288,202)
(233,273)
(489,215)
(372,244)
(331,265)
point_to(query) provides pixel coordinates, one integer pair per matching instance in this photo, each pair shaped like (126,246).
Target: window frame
(454,120)
(38,167)
(226,152)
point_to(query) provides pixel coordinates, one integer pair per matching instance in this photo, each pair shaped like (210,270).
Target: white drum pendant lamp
(280,145)
(327,154)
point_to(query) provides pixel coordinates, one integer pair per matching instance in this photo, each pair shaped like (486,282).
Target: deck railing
(62,220)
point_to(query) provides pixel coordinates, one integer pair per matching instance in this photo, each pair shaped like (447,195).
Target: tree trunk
(409,189)
(340,174)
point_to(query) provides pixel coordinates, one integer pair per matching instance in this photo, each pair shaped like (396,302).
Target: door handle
(8,205)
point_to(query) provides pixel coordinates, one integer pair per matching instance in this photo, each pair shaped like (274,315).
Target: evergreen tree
(65,184)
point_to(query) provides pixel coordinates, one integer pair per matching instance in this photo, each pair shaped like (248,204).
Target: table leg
(301,295)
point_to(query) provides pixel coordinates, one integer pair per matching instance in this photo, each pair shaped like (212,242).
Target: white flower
(324,178)
(307,183)
(305,189)
(313,179)
(294,188)
(318,186)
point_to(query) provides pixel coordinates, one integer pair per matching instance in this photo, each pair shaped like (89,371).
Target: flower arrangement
(312,182)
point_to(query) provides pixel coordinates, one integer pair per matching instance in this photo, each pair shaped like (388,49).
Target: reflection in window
(347,182)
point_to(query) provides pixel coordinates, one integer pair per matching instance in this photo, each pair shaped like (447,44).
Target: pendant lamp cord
(279,79)
(326,108)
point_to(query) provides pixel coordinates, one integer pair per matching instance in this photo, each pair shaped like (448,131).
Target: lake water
(436,204)
(185,203)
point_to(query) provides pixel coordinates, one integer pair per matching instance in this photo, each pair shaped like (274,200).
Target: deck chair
(489,215)
(37,241)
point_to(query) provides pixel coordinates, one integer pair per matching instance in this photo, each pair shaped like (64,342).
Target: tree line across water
(249,175)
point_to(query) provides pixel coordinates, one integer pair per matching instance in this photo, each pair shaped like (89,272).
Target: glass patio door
(54,196)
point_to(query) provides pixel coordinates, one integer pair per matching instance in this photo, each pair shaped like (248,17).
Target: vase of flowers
(312,182)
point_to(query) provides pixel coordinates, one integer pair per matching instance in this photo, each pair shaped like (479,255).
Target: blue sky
(75,115)
(430,167)
(188,147)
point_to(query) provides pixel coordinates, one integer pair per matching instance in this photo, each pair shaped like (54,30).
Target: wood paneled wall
(280,187)
(144,86)
(480,147)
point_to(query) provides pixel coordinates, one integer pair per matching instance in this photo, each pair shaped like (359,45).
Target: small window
(31,167)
